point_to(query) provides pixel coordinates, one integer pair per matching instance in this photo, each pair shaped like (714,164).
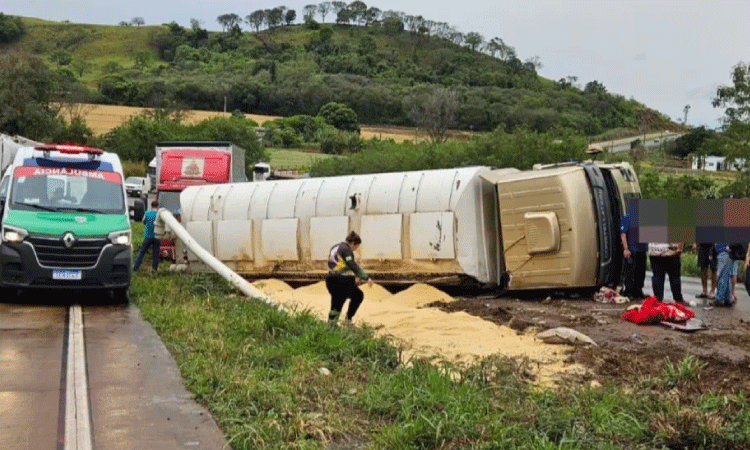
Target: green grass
(258,370)
(285,159)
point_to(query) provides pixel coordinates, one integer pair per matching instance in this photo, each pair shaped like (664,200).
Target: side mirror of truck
(138,210)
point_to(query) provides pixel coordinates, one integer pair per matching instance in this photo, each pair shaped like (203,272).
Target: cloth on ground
(652,311)
(607,295)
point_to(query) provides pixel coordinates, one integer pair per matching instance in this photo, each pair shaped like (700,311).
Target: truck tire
(121,296)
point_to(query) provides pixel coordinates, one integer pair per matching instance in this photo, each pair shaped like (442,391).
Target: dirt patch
(626,351)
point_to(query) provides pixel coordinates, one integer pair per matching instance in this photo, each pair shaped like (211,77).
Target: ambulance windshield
(65,189)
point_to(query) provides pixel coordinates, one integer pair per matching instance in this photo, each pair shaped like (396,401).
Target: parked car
(136,186)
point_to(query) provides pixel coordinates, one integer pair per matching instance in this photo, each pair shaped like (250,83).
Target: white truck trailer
(9,146)
(553,227)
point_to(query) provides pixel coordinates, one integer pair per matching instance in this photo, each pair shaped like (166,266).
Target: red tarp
(652,311)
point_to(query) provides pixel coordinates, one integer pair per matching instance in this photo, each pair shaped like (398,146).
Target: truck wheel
(121,296)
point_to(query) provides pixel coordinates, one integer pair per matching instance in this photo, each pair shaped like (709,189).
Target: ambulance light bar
(69,149)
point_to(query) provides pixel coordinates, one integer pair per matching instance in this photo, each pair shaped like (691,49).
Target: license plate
(66,274)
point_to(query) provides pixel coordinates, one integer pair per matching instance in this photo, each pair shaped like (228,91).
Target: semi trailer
(556,226)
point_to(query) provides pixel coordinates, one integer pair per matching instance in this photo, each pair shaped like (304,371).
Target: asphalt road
(649,141)
(137,398)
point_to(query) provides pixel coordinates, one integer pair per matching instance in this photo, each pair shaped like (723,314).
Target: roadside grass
(260,371)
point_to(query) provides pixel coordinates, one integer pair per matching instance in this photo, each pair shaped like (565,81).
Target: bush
(340,116)
(295,130)
(11,29)
(655,185)
(283,137)
(336,142)
(134,168)
(523,148)
(75,132)
(520,149)
(311,24)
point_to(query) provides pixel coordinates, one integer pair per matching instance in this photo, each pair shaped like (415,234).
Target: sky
(666,54)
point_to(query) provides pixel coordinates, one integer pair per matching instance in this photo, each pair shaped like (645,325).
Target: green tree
(11,29)
(340,116)
(524,147)
(371,15)
(691,142)
(734,140)
(228,21)
(26,87)
(435,112)
(238,130)
(308,12)
(735,98)
(393,26)
(290,16)
(256,19)
(474,40)
(324,8)
(274,17)
(344,16)
(358,9)
(75,132)
(136,139)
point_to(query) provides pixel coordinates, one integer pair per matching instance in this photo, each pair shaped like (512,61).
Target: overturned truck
(552,227)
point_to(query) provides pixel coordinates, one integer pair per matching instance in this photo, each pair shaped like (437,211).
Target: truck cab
(65,221)
(567,214)
(180,165)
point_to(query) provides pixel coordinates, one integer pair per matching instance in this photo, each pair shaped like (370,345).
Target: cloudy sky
(664,53)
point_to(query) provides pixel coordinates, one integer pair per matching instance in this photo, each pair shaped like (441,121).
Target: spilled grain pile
(420,295)
(271,286)
(426,332)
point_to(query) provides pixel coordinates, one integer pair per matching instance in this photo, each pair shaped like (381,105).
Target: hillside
(379,71)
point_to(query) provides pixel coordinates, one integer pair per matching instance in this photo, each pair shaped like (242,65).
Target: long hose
(166,223)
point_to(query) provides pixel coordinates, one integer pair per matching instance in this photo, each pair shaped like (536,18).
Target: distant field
(103,118)
(295,160)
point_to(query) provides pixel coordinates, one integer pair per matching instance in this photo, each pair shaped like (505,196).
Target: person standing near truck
(634,260)
(665,260)
(340,285)
(149,239)
(707,265)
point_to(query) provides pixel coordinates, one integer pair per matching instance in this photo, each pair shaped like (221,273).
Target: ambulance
(65,221)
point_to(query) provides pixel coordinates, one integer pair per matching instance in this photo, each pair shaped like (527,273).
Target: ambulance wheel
(121,296)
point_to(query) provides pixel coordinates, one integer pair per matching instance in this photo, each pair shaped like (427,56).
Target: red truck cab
(189,164)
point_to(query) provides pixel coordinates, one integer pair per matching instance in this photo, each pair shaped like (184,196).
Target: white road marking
(77,417)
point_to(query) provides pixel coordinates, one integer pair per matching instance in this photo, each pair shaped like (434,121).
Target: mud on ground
(626,351)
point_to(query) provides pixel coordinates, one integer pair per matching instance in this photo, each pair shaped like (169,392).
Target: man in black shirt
(340,285)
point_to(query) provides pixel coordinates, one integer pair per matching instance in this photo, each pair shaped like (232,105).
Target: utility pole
(685,110)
